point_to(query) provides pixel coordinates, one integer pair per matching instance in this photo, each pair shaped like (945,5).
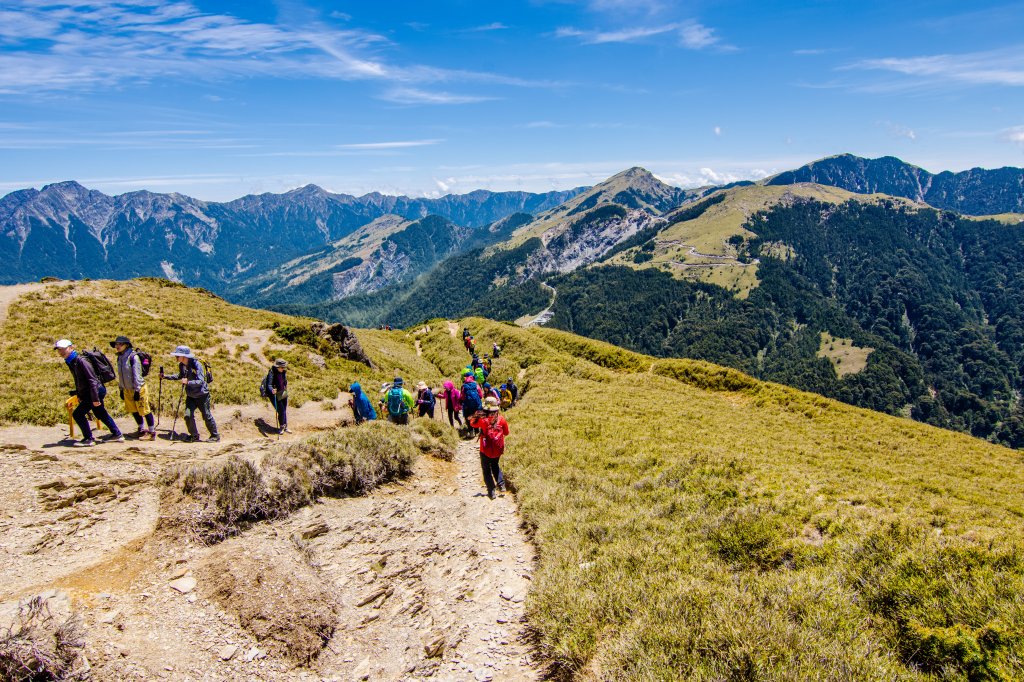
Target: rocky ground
(423,579)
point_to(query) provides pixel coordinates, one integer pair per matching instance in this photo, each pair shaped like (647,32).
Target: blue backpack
(471,396)
(396,402)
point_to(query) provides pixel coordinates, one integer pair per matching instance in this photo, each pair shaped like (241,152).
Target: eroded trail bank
(423,579)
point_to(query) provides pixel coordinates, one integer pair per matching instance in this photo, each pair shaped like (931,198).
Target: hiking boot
(213,439)
(186,439)
(148,435)
(501,488)
(84,443)
(490,493)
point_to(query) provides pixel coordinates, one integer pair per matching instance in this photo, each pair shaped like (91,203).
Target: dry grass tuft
(39,645)
(216,501)
(276,595)
(434,438)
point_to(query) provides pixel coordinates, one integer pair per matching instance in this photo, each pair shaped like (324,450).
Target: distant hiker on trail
(470,343)
(465,333)
(495,350)
(425,400)
(399,402)
(513,389)
(475,362)
(453,403)
(493,429)
(192,375)
(362,408)
(131,382)
(506,397)
(480,375)
(486,364)
(275,389)
(90,391)
(491,392)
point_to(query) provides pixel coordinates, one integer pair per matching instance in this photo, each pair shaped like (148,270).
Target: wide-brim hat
(183,351)
(120,339)
(421,386)
(491,404)
(280,362)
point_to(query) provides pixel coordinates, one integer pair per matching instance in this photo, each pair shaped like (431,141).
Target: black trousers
(399,418)
(454,416)
(492,472)
(281,405)
(202,404)
(81,416)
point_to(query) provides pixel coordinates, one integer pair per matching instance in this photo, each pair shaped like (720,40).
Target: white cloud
(405,95)
(493,26)
(1015,134)
(692,35)
(405,144)
(718,131)
(89,44)
(995,67)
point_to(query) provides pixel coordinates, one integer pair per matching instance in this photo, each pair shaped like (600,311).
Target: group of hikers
(475,405)
(91,370)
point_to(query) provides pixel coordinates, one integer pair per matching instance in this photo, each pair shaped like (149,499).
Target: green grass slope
(240,344)
(693,523)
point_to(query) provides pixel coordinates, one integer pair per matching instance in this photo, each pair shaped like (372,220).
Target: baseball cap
(63,343)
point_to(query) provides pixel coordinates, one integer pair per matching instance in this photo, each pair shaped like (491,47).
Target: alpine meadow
(543,340)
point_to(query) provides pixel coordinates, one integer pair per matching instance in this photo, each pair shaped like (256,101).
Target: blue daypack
(396,402)
(471,396)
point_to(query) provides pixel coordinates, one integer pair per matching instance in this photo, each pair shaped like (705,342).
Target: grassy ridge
(158,315)
(696,524)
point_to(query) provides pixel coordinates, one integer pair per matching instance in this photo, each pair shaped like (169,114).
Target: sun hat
(491,404)
(183,351)
(280,362)
(120,339)
(421,386)
(63,343)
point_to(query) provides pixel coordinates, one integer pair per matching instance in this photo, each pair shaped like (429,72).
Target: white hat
(63,343)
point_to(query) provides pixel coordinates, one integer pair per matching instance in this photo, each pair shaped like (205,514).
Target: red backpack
(492,435)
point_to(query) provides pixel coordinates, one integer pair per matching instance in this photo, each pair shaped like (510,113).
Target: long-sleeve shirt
(129,372)
(489,447)
(193,371)
(87,386)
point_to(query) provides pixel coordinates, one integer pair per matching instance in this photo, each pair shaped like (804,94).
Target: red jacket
(490,426)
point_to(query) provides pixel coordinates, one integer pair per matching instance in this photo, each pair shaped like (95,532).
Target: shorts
(142,407)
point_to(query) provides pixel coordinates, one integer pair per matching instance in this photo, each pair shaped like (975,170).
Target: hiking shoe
(185,439)
(148,435)
(84,443)
(119,438)
(285,429)
(490,493)
(213,439)
(501,488)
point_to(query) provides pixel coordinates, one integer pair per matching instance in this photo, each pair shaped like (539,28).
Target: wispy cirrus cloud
(408,95)
(403,144)
(690,34)
(493,26)
(47,45)
(994,67)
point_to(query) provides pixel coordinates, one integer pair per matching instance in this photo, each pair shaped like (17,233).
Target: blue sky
(221,99)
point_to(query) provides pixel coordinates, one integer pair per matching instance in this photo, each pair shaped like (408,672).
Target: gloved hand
(136,397)
(120,392)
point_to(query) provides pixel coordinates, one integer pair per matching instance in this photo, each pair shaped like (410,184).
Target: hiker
(480,374)
(275,389)
(472,401)
(491,392)
(465,333)
(90,392)
(475,362)
(493,429)
(506,397)
(362,408)
(132,386)
(425,400)
(495,350)
(192,375)
(486,364)
(453,403)
(399,402)
(513,389)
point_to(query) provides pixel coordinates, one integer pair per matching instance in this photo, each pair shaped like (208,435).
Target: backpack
(428,396)
(471,395)
(396,402)
(492,435)
(207,371)
(506,399)
(145,361)
(265,385)
(101,366)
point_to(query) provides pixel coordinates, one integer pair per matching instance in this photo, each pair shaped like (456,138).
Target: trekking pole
(174,425)
(274,396)
(159,399)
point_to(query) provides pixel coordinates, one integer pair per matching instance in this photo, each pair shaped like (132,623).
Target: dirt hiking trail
(426,576)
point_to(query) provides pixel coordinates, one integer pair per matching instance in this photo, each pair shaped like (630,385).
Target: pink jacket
(452,397)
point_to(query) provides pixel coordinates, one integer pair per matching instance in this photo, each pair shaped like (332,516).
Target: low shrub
(39,645)
(434,438)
